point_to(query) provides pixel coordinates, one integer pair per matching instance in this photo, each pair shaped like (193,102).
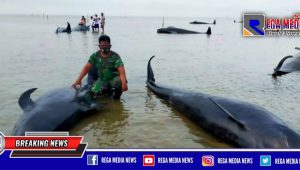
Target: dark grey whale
(199,22)
(81,28)
(57,110)
(68,29)
(239,123)
(287,64)
(174,30)
(61,29)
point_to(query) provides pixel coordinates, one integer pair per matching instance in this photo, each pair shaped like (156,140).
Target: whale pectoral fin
(25,102)
(230,116)
(91,106)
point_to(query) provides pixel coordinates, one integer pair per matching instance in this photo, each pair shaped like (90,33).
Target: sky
(169,8)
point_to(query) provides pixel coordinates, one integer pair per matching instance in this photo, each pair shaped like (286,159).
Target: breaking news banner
(49,150)
(43,144)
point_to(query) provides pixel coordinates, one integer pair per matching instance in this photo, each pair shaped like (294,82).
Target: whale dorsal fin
(208,32)
(25,102)
(150,74)
(230,116)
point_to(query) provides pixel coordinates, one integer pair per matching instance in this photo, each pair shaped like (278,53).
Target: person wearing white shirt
(96,20)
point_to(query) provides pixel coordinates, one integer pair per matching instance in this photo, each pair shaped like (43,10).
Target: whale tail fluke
(208,32)
(25,102)
(276,70)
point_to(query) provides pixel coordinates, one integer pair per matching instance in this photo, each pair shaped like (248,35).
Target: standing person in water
(96,20)
(93,23)
(102,22)
(82,21)
(111,71)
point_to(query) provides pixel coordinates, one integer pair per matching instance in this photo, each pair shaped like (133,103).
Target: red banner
(42,142)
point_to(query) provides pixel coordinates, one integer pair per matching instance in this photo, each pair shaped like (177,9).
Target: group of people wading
(96,22)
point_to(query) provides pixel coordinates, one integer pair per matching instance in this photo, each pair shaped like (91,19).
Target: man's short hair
(104,38)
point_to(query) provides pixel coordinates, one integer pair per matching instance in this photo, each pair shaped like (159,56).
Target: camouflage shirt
(107,66)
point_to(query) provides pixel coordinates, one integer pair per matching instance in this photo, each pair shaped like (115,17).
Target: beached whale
(199,22)
(174,30)
(287,64)
(81,28)
(57,110)
(68,29)
(239,123)
(62,29)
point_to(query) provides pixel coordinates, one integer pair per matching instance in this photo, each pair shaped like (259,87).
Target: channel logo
(253,25)
(148,160)
(265,160)
(208,160)
(92,159)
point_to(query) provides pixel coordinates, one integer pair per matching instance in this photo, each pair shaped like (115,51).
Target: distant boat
(174,30)
(199,22)
(237,21)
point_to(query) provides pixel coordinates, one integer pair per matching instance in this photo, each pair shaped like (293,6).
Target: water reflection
(150,103)
(105,128)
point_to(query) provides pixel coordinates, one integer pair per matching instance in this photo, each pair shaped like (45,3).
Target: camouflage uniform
(108,75)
